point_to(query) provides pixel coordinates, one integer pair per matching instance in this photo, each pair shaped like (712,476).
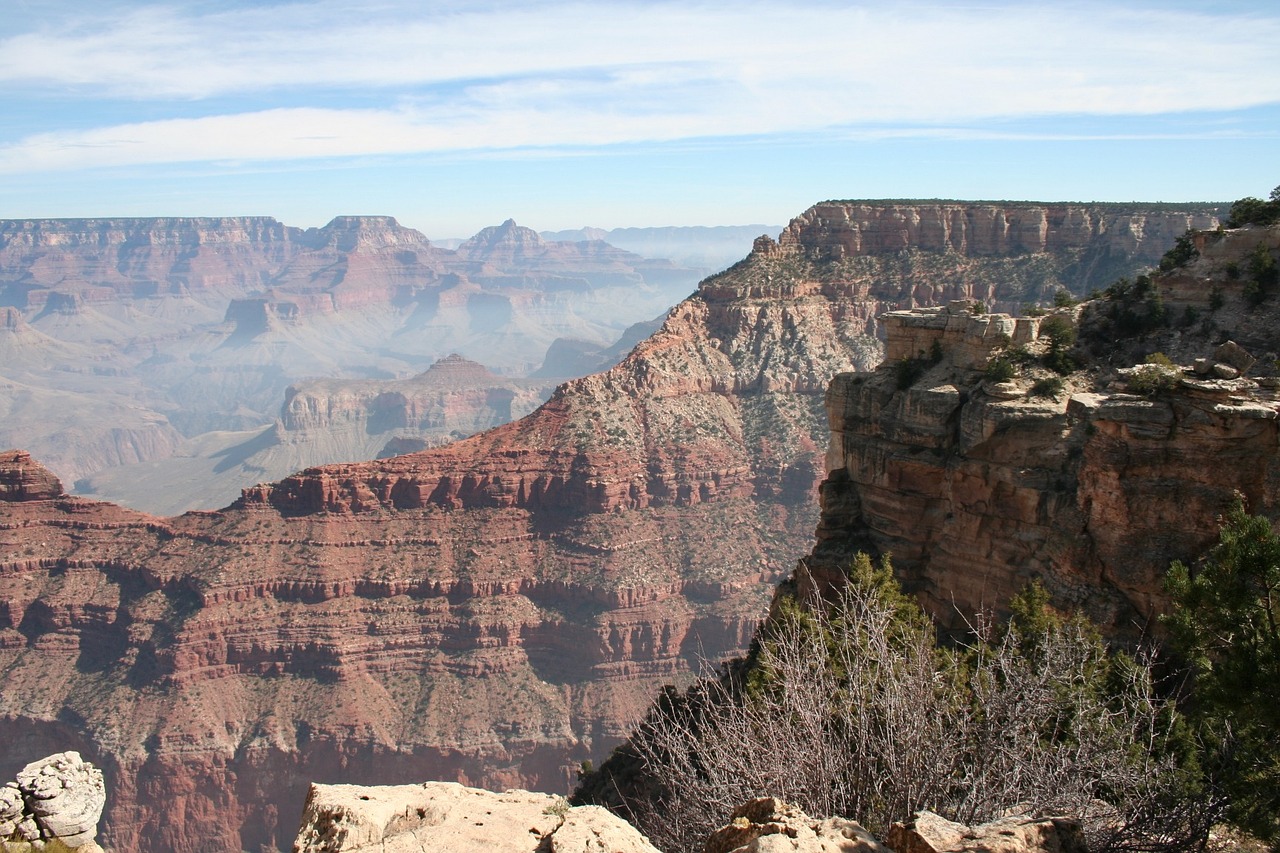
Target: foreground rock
(768,825)
(54,805)
(929,833)
(443,817)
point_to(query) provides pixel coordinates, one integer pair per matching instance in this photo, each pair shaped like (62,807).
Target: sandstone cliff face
(490,612)
(976,488)
(1075,246)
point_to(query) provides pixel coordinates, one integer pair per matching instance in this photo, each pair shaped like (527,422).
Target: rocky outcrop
(977,487)
(55,801)
(442,817)
(769,824)
(24,479)
(492,612)
(926,832)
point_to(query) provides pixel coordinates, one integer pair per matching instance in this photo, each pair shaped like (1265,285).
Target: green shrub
(1255,211)
(1160,359)
(1060,362)
(1000,369)
(1064,299)
(1033,310)
(1060,332)
(1263,271)
(1051,386)
(1216,299)
(1151,379)
(1225,618)
(908,370)
(1183,251)
(1119,288)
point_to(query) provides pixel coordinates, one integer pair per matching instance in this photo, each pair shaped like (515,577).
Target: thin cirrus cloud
(299,81)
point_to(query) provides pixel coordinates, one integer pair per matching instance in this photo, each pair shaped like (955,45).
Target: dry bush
(850,708)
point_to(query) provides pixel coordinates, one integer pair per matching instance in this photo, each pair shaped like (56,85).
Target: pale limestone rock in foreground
(929,833)
(768,825)
(445,817)
(56,801)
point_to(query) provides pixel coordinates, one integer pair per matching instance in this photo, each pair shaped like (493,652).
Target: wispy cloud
(393,79)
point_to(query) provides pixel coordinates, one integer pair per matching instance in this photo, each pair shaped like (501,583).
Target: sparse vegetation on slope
(854,708)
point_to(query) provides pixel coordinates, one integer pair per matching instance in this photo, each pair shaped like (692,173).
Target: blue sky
(452,116)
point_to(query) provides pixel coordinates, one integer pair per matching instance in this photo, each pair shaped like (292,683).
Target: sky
(452,116)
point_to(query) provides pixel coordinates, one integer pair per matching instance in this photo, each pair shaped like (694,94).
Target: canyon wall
(136,344)
(490,612)
(977,487)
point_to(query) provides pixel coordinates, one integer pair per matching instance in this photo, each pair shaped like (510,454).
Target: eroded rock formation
(977,486)
(490,612)
(55,803)
(768,825)
(24,479)
(123,341)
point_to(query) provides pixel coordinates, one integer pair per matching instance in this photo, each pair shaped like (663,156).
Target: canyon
(126,343)
(496,610)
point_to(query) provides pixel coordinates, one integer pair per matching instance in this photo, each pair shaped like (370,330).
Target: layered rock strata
(122,339)
(490,612)
(977,486)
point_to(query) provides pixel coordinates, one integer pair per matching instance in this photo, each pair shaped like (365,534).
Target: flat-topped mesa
(350,233)
(24,479)
(840,229)
(133,232)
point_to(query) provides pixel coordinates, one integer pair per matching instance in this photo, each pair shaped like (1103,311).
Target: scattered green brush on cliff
(852,707)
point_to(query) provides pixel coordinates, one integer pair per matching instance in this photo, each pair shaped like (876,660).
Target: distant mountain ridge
(709,247)
(126,340)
